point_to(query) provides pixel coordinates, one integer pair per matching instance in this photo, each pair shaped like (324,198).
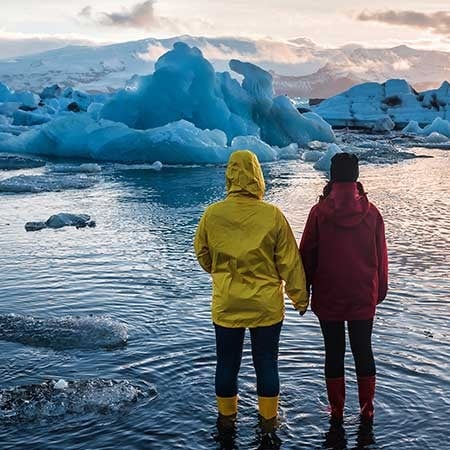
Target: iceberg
(413,127)
(436,138)
(63,332)
(324,163)
(55,399)
(370,105)
(440,126)
(183,113)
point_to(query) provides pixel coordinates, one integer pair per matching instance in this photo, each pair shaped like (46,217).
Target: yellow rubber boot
(227,406)
(268,411)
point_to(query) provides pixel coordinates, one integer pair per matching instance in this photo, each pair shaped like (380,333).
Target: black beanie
(344,168)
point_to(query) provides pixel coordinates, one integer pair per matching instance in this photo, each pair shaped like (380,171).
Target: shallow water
(137,266)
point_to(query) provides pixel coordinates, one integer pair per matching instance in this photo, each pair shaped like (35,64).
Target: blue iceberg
(183,113)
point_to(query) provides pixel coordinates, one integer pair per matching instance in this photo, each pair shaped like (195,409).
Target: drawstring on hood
(345,205)
(244,175)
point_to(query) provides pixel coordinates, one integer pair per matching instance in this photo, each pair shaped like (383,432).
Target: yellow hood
(244,175)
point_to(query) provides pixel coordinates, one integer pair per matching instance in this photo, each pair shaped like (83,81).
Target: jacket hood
(345,206)
(244,175)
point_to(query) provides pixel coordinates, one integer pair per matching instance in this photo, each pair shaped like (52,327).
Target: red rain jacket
(344,253)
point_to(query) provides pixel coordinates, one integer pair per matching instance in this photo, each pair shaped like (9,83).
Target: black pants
(360,334)
(229,344)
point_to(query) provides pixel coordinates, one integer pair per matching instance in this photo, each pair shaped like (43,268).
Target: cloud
(140,16)
(437,22)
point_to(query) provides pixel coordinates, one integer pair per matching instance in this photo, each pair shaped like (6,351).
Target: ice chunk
(383,125)
(312,155)
(45,183)
(15,162)
(157,165)
(324,163)
(53,91)
(263,151)
(27,118)
(82,168)
(412,128)
(49,400)
(61,384)
(436,138)
(440,126)
(89,332)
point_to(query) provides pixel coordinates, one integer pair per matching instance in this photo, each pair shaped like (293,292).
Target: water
(137,267)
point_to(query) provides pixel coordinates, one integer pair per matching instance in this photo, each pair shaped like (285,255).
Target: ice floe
(89,332)
(58,399)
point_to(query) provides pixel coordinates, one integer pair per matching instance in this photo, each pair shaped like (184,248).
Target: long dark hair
(329,186)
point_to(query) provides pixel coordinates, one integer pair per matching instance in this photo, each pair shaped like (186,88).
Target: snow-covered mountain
(300,67)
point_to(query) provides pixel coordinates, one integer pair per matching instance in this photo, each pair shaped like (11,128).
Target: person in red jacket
(344,253)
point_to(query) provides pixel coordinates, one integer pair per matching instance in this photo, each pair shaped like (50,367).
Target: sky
(26,24)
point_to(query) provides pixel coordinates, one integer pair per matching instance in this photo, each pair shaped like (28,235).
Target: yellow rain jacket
(248,248)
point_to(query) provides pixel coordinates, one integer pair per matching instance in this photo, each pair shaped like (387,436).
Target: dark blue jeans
(229,344)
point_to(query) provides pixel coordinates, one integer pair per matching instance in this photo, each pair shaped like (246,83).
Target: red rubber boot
(336,397)
(366,391)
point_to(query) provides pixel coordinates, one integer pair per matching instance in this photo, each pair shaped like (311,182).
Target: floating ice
(184,86)
(413,127)
(157,166)
(27,118)
(45,183)
(63,332)
(436,138)
(369,104)
(62,220)
(75,168)
(184,113)
(312,155)
(52,399)
(15,162)
(324,163)
(440,126)
(61,384)
(25,98)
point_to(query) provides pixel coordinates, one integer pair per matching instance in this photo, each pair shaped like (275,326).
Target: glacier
(183,113)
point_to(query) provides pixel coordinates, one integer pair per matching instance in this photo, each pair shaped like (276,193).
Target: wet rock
(35,226)
(74,107)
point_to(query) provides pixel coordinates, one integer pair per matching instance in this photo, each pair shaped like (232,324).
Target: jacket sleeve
(289,265)
(382,260)
(201,245)
(309,247)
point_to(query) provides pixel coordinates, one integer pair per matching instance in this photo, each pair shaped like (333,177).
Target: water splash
(57,399)
(63,332)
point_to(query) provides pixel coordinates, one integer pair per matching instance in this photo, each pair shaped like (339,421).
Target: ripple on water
(138,268)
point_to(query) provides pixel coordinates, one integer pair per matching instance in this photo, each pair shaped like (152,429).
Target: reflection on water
(138,267)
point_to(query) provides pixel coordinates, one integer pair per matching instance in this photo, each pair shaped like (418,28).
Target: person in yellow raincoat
(249,249)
